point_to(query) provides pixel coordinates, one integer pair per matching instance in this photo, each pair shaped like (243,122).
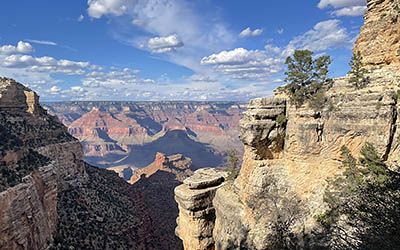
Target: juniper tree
(306,76)
(358,73)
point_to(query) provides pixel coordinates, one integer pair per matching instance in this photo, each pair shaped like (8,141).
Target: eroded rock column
(196,212)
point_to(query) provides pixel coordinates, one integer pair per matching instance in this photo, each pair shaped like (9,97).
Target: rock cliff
(379,41)
(291,152)
(51,199)
(37,158)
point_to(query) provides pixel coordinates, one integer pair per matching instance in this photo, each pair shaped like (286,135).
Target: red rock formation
(176,164)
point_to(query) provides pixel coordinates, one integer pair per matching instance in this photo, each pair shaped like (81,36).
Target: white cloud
(43,42)
(249,32)
(45,64)
(244,64)
(99,8)
(260,65)
(280,31)
(325,35)
(55,90)
(201,33)
(344,7)
(21,47)
(351,11)
(164,44)
(115,78)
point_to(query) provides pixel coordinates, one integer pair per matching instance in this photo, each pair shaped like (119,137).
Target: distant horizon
(139,49)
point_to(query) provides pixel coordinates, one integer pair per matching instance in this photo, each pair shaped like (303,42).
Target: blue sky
(168,49)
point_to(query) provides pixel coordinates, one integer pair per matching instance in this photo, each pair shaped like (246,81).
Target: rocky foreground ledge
(196,211)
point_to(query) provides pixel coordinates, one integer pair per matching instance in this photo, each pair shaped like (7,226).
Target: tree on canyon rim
(307,78)
(358,73)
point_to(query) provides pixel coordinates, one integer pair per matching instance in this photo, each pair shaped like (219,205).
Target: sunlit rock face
(119,135)
(379,41)
(286,166)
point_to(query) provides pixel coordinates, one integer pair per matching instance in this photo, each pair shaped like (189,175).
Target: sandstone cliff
(291,152)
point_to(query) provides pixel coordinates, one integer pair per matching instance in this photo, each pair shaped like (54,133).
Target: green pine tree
(306,76)
(358,73)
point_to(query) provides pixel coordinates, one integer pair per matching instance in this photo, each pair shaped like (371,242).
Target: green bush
(363,204)
(281,120)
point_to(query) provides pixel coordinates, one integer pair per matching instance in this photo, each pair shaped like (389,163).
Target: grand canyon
(313,166)
(125,136)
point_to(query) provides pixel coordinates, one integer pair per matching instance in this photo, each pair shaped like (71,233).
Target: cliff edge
(291,152)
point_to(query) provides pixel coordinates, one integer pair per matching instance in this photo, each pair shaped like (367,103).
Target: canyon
(125,136)
(51,197)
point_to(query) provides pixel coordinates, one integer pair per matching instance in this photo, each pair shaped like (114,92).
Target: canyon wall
(291,152)
(37,158)
(124,136)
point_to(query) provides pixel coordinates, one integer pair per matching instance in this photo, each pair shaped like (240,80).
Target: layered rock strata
(196,212)
(291,152)
(37,158)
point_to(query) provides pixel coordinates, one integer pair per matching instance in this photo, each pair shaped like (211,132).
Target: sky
(150,50)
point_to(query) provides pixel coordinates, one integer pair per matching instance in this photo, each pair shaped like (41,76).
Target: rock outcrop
(196,212)
(37,157)
(291,152)
(379,41)
(177,164)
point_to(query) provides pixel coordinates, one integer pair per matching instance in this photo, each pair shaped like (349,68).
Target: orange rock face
(379,40)
(176,164)
(112,131)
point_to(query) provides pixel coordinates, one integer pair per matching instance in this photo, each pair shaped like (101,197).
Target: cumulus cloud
(21,47)
(98,8)
(325,35)
(114,78)
(351,11)
(241,63)
(259,65)
(45,64)
(164,44)
(344,7)
(43,42)
(54,90)
(249,32)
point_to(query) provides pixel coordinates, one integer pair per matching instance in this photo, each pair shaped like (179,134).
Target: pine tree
(306,76)
(358,73)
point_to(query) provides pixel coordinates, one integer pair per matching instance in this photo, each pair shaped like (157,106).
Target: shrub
(233,165)
(363,204)
(281,120)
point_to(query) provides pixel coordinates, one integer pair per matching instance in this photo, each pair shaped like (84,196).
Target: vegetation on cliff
(358,73)
(307,78)
(363,204)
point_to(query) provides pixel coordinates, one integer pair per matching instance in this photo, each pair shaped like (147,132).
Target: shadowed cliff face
(37,157)
(286,167)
